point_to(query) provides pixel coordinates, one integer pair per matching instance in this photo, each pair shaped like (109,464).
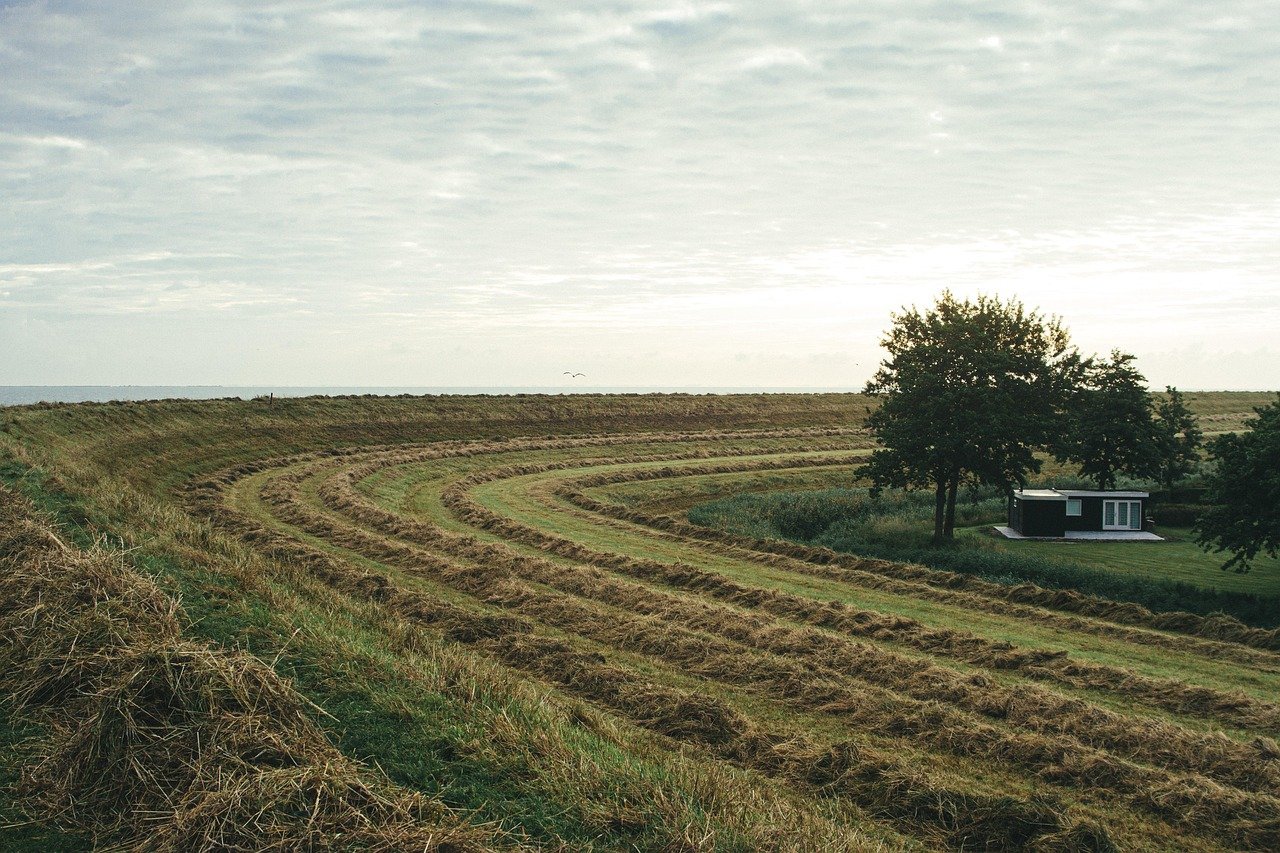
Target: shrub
(1177,515)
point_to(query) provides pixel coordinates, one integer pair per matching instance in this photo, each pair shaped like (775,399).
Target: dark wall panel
(1044,518)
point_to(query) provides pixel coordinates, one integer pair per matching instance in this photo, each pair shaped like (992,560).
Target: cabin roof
(1063,494)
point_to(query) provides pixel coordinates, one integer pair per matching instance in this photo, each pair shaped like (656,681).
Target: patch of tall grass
(897,525)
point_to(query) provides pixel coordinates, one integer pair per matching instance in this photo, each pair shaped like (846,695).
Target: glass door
(1122,515)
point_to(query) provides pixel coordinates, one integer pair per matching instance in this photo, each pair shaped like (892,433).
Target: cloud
(470,168)
(777,56)
(46,141)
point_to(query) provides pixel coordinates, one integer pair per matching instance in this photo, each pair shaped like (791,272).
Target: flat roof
(1063,494)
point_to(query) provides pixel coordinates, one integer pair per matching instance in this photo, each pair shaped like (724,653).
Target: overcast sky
(476,193)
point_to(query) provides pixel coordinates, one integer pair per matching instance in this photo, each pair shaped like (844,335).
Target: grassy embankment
(434,717)
(481,624)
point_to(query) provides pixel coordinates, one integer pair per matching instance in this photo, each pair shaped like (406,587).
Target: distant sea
(17,395)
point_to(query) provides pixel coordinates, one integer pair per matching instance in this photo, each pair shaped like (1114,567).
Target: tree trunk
(953,487)
(939,512)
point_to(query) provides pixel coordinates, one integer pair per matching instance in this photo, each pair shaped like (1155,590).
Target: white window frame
(1076,504)
(1129,510)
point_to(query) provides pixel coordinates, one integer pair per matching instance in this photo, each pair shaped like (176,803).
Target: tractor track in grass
(821,658)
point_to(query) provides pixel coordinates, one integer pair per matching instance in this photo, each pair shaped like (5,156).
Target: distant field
(499,608)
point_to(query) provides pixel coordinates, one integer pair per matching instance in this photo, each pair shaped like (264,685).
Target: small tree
(1244,492)
(970,390)
(1178,438)
(1110,429)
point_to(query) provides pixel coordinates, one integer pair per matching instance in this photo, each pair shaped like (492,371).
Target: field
(1178,558)
(831,509)
(490,626)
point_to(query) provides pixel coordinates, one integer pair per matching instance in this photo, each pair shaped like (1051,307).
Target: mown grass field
(1177,558)
(495,604)
(833,509)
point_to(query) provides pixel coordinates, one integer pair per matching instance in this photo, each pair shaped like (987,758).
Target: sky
(652,194)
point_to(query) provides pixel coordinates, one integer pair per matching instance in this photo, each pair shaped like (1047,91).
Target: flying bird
(573,375)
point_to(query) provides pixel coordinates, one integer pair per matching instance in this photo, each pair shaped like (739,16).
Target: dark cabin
(1056,512)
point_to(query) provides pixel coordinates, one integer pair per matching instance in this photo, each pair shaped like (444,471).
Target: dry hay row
(1249,766)
(898,578)
(659,526)
(160,743)
(1203,806)
(880,574)
(1236,708)
(866,573)
(1220,627)
(466,448)
(883,786)
(855,437)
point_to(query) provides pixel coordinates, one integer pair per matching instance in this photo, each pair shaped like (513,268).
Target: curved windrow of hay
(880,783)
(1234,708)
(1218,627)
(1193,805)
(1248,766)
(159,743)
(812,687)
(561,617)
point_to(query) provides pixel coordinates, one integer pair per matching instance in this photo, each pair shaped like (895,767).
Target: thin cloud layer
(686,193)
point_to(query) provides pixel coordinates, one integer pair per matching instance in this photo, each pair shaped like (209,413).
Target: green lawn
(1178,559)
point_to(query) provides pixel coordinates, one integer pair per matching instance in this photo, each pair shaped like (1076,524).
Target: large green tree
(1244,492)
(969,391)
(1178,438)
(1110,427)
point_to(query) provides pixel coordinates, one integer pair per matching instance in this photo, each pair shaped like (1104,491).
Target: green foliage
(1178,515)
(1244,491)
(970,390)
(1178,438)
(1110,427)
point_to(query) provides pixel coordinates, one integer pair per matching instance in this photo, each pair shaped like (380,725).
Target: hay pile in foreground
(160,743)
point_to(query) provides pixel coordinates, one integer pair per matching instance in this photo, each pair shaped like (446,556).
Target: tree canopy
(1244,492)
(1110,428)
(1178,438)
(969,391)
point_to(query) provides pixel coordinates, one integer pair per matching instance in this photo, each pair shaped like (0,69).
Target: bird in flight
(573,375)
